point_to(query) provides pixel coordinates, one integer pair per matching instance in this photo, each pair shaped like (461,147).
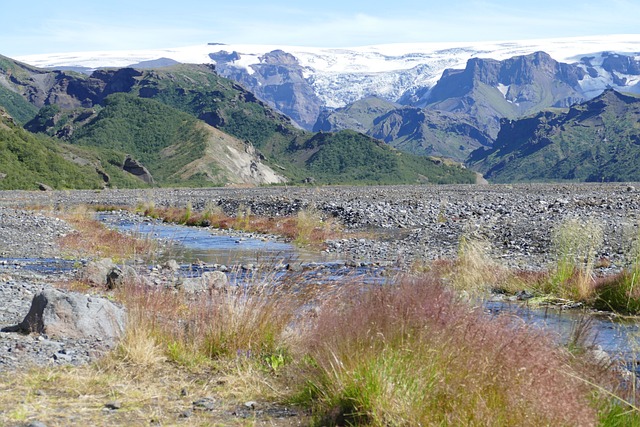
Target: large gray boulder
(104,272)
(137,169)
(72,315)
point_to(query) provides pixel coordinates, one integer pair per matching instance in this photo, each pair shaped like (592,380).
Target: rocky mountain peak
(279,57)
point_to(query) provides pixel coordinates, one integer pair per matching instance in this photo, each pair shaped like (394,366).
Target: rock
(115,405)
(44,187)
(115,278)
(251,405)
(192,285)
(171,265)
(212,280)
(71,315)
(96,272)
(105,272)
(524,295)
(204,404)
(216,280)
(137,169)
(188,413)
(36,424)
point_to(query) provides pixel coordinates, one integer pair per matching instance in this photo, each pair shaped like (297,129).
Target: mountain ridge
(395,72)
(595,141)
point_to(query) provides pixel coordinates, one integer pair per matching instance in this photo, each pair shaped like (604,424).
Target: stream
(617,337)
(197,250)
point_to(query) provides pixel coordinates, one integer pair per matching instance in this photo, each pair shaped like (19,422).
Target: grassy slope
(28,159)
(143,128)
(327,157)
(596,141)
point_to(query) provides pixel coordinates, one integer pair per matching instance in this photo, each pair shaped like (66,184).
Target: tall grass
(621,292)
(250,320)
(412,354)
(474,271)
(575,243)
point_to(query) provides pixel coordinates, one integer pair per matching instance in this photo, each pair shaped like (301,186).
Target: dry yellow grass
(91,238)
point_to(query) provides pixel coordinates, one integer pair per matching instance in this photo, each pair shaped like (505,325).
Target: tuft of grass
(576,243)
(249,319)
(413,354)
(474,271)
(312,230)
(618,293)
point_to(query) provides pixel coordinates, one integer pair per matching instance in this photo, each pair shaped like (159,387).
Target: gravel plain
(400,225)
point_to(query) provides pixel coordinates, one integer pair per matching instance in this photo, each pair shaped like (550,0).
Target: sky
(44,26)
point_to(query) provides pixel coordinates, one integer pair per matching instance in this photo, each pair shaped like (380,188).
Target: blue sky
(68,25)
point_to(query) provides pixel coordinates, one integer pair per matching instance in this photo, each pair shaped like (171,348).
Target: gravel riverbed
(395,225)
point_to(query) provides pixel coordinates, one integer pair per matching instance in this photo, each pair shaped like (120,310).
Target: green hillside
(144,128)
(597,141)
(27,159)
(353,158)
(159,117)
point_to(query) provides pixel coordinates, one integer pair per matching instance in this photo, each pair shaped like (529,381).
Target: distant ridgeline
(526,118)
(596,141)
(184,125)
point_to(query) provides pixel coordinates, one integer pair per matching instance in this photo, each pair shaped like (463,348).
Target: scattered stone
(524,295)
(204,404)
(97,272)
(251,405)
(114,405)
(188,413)
(171,265)
(44,187)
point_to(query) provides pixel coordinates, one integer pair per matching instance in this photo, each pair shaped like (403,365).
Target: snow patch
(503,89)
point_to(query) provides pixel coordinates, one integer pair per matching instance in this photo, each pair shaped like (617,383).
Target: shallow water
(200,249)
(618,338)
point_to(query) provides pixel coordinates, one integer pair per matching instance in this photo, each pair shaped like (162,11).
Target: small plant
(474,271)
(576,243)
(188,212)
(276,360)
(243,218)
(311,229)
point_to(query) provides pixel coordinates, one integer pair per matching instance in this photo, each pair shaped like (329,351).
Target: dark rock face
(136,168)
(490,90)
(621,64)
(278,80)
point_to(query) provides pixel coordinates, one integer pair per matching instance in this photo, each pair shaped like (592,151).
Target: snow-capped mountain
(301,81)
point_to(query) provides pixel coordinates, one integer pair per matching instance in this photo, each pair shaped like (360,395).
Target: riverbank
(410,223)
(397,227)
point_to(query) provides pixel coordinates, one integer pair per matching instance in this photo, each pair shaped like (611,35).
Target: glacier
(340,76)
